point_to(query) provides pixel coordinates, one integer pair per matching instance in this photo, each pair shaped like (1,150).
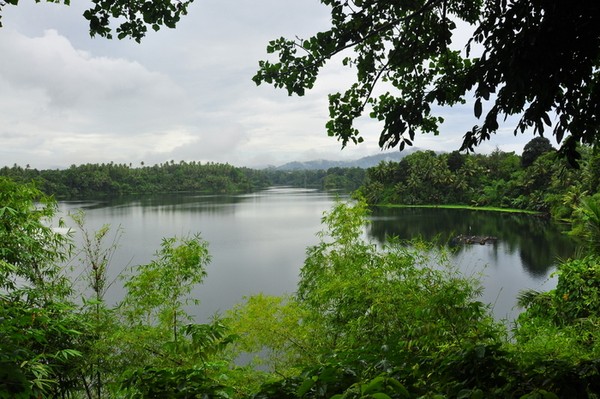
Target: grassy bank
(468,207)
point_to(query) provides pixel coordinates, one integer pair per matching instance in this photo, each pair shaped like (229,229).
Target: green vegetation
(114,179)
(213,178)
(132,18)
(347,179)
(367,321)
(548,184)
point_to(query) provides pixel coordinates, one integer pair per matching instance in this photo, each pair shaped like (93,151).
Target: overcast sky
(183,94)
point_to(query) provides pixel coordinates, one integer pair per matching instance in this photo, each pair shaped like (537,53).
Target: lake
(258,241)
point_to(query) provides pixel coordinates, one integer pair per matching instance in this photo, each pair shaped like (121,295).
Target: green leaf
(478,108)
(375,385)
(305,387)
(380,395)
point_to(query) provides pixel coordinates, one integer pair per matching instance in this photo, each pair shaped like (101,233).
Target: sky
(182,94)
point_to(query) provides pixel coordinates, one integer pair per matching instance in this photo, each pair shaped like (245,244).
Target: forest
(398,321)
(539,180)
(96,180)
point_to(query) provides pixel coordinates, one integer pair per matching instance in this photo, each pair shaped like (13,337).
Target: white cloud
(183,94)
(73,82)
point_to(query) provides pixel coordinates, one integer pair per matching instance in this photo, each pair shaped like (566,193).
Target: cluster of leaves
(38,330)
(394,322)
(58,339)
(404,44)
(531,58)
(559,331)
(545,182)
(132,17)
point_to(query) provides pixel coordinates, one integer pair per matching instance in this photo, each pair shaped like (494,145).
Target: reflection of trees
(164,202)
(538,241)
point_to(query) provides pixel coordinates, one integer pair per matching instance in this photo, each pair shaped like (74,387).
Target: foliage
(533,149)
(29,246)
(549,184)
(558,333)
(194,372)
(384,322)
(388,325)
(51,347)
(586,223)
(272,330)
(110,179)
(347,179)
(367,321)
(94,258)
(158,291)
(533,63)
(363,297)
(173,383)
(133,17)
(39,329)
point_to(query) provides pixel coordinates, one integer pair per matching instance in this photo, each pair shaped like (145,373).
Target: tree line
(217,178)
(539,180)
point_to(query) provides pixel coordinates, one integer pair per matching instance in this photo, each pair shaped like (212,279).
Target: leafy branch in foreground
(132,17)
(538,60)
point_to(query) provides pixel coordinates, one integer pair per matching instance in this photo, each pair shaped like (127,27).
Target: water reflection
(523,257)
(537,241)
(258,240)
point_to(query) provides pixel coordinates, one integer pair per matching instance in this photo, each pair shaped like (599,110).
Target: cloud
(61,100)
(65,81)
(183,94)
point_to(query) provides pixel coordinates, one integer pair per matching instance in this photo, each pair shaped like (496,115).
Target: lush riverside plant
(61,339)
(39,327)
(548,184)
(394,322)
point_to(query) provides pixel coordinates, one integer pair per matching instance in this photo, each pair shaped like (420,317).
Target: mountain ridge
(364,162)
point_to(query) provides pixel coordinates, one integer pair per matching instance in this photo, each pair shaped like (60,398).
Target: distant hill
(365,162)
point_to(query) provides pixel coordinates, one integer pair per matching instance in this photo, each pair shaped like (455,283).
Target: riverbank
(467,207)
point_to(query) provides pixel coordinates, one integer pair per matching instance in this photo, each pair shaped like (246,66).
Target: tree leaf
(478,108)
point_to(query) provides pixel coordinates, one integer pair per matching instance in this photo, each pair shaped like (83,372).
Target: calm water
(523,257)
(258,241)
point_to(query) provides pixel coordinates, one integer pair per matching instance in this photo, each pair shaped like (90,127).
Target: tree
(533,149)
(539,58)
(158,291)
(132,16)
